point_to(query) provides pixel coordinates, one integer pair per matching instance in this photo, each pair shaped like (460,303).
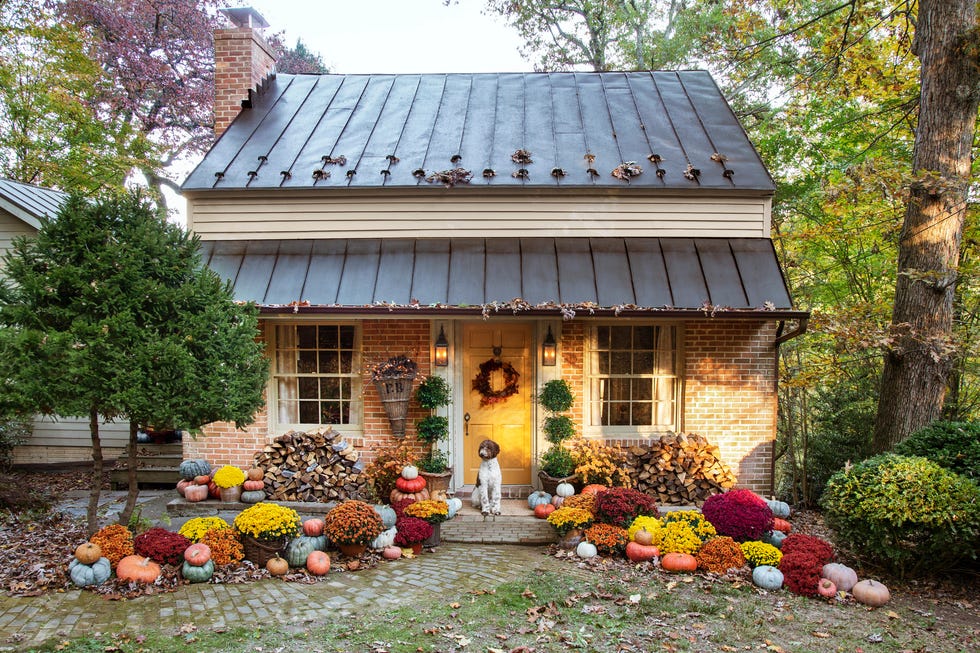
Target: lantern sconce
(549,350)
(441,349)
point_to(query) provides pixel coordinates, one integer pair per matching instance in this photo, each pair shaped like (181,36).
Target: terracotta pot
(352,550)
(231,494)
(417,548)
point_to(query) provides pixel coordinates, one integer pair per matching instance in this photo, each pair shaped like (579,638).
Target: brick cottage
(621,218)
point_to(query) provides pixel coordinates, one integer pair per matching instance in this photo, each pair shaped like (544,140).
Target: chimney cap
(244,17)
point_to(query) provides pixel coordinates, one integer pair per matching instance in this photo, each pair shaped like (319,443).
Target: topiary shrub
(801,572)
(799,543)
(907,513)
(619,506)
(952,445)
(162,546)
(740,514)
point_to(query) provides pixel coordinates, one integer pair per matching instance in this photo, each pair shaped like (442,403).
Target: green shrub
(557,462)
(953,445)
(14,431)
(432,428)
(433,392)
(905,512)
(558,428)
(556,396)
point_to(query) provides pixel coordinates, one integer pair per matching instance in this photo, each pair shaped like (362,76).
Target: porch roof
(30,203)
(668,277)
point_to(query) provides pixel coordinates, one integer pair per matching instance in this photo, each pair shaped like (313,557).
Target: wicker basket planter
(261,551)
(550,484)
(437,484)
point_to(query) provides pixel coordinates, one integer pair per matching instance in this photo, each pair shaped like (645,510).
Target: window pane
(642,362)
(309,388)
(330,412)
(288,411)
(602,337)
(619,389)
(642,389)
(620,337)
(307,362)
(619,414)
(620,362)
(346,337)
(306,337)
(327,337)
(330,388)
(329,362)
(603,362)
(309,412)
(643,337)
(642,414)
(346,362)
(345,413)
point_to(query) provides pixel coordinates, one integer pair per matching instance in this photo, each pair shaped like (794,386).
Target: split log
(317,466)
(679,469)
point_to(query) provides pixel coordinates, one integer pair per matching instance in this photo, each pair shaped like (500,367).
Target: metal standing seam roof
(684,275)
(393,131)
(30,203)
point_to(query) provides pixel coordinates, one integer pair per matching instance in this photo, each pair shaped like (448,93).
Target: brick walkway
(448,572)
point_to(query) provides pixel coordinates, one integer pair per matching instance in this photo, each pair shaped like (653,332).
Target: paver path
(449,571)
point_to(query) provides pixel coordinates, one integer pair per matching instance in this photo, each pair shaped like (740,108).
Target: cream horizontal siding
(10,228)
(263,216)
(74,432)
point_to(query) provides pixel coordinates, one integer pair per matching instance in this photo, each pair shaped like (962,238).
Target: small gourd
(678,562)
(251,486)
(637,552)
(253,496)
(767,577)
(586,549)
(195,493)
(565,489)
(410,472)
(385,539)
(197,554)
(594,488)
(88,553)
(198,573)
(388,516)
(826,588)
(182,485)
(392,552)
(190,468)
(398,495)
(255,474)
(84,575)
(277,566)
(536,498)
(842,576)
(557,501)
(202,479)
(871,592)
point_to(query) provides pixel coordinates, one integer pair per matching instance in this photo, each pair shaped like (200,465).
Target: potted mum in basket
(570,524)
(352,525)
(434,511)
(229,480)
(266,529)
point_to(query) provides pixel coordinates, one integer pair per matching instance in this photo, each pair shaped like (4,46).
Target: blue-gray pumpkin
(538,497)
(388,516)
(94,574)
(198,573)
(775,538)
(198,467)
(301,547)
(767,577)
(253,496)
(455,505)
(779,508)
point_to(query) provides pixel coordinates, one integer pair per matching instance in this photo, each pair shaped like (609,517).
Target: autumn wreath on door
(483,383)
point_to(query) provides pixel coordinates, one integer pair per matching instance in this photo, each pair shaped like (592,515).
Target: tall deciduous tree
(298,59)
(108,313)
(917,366)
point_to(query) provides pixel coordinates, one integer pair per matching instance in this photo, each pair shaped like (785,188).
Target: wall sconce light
(442,349)
(549,350)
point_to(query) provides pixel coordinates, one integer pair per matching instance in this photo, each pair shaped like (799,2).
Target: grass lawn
(602,607)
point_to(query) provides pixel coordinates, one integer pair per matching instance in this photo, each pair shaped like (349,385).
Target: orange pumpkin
(202,480)
(318,563)
(255,473)
(594,488)
(410,485)
(679,562)
(313,527)
(277,566)
(781,525)
(392,553)
(137,568)
(197,554)
(643,536)
(542,510)
(398,495)
(213,490)
(251,486)
(637,552)
(88,553)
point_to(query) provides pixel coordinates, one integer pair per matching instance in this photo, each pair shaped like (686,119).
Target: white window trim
(272,389)
(625,432)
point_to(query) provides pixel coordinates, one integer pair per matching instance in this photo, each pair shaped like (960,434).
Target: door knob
(466,424)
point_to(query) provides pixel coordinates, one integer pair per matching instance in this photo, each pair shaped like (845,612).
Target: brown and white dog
(486,494)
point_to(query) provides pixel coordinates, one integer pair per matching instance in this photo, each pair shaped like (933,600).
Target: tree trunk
(917,365)
(133,485)
(92,514)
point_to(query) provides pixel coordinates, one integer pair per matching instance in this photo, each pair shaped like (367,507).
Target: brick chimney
(243,63)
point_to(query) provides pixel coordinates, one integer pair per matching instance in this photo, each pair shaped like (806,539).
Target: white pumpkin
(455,505)
(586,549)
(565,489)
(409,472)
(386,539)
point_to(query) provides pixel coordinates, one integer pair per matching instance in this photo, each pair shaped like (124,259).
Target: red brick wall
(242,61)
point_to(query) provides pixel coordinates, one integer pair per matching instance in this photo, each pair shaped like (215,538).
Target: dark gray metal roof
(30,203)
(470,274)
(674,122)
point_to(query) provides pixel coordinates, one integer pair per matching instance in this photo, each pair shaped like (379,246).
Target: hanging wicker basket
(395,393)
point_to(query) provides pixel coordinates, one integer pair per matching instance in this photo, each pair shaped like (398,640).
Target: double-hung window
(633,378)
(316,374)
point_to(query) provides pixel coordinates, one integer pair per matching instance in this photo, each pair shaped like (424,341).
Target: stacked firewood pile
(679,469)
(314,466)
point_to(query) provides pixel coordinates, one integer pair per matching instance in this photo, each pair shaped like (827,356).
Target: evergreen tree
(108,313)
